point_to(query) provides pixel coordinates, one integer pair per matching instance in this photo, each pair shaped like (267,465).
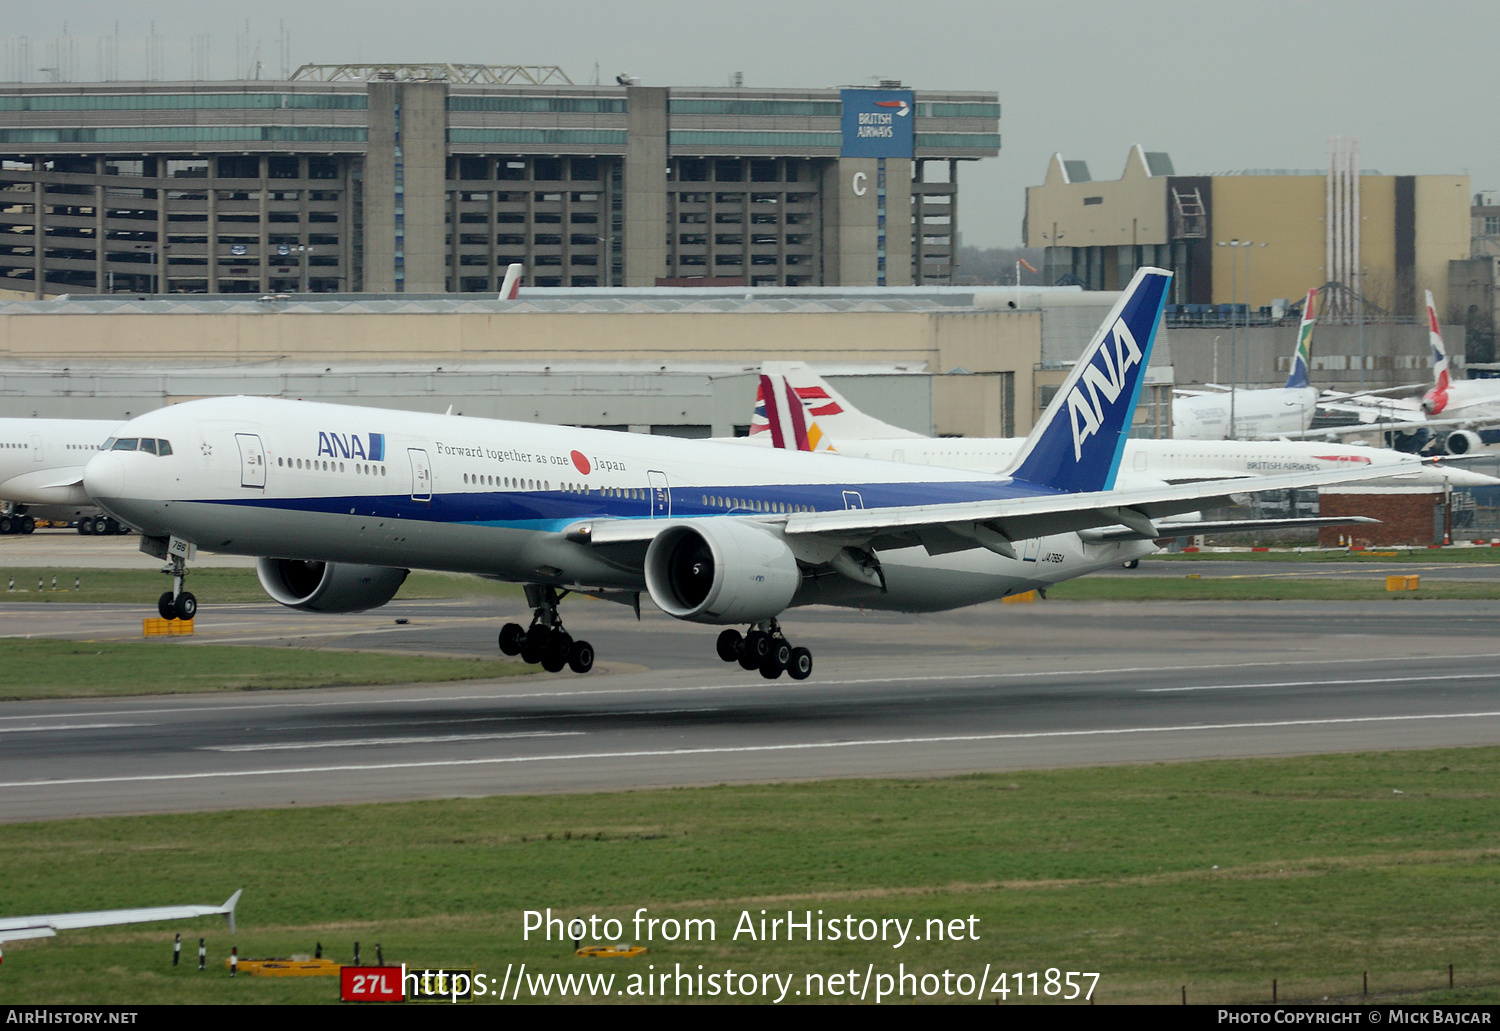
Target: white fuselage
(331,483)
(1257,414)
(42,460)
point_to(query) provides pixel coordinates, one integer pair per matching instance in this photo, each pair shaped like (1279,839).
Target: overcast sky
(1217,85)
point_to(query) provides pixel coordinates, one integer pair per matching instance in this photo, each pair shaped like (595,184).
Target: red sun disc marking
(580,462)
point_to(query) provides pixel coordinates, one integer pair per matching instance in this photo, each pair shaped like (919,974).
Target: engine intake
(720,571)
(327,587)
(1462,442)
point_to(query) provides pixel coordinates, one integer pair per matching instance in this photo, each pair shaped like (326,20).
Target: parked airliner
(1455,410)
(41,472)
(790,391)
(1220,414)
(340,502)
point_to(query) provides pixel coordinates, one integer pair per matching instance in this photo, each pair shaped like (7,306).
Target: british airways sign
(877,123)
(369,448)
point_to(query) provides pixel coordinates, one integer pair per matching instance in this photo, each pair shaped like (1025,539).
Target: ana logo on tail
(1105,375)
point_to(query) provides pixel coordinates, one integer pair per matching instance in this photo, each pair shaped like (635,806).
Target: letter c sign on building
(858,184)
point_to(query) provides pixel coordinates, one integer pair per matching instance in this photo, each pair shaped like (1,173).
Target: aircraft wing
(13,928)
(994,524)
(1111,535)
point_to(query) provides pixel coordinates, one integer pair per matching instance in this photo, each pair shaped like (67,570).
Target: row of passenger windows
(750,504)
(329,467)
(68,447)
(150,445)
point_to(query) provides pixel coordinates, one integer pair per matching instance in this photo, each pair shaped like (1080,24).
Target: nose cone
(104,477)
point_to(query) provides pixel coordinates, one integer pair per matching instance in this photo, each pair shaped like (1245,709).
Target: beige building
(1388,237)
(645,363)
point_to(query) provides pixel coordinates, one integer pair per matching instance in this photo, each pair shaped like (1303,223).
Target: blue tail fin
(1077,443)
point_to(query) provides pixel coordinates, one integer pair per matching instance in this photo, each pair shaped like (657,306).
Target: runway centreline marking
(1319,683)
(288,746)
(732,749)
(209,705)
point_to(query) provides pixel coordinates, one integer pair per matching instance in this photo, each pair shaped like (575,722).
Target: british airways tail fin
(1302,357)
(1077,443)
(803,412)
(511,287)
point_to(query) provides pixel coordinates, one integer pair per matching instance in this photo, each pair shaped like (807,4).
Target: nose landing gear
(765,648)
(545,642)
(177,603)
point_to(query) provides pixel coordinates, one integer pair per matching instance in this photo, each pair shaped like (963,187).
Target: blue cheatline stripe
(553,510)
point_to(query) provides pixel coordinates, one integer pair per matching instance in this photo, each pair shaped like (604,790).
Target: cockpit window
(126,444)
(108,444)
(163,447)
(148,444)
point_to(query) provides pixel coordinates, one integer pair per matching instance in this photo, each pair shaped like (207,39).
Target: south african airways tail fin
(1302,356)
(1077,443)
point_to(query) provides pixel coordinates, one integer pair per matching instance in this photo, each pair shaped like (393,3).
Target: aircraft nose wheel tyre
(165,607)
(512,639)
(186,606)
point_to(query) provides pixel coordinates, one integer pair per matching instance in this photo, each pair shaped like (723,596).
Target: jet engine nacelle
(720,571)
(1462,442)
(327,587)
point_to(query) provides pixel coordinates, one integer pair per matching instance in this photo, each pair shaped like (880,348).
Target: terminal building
(433,178)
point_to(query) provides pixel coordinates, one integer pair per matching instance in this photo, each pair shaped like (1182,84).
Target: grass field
(210,585)
(1214,875)
(31,669)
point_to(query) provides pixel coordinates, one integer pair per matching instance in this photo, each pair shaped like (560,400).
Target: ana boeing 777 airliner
(339,502)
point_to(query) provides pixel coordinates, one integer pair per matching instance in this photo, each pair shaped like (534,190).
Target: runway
(995,687)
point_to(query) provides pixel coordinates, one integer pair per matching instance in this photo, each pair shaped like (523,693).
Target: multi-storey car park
(433,178)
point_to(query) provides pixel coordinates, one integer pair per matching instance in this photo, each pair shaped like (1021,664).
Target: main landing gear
(545,641)
(177,603)
(765,648)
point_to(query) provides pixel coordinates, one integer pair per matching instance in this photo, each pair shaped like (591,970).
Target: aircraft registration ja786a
(339,502)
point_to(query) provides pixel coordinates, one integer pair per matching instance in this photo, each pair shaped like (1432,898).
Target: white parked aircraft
(41,472)
(829,422)
(1455,410)
(339,502)
(1208,414)
(16,928)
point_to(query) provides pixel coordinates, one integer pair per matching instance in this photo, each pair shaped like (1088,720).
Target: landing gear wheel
(111,527)
(512,639)
(101,526)
(6,526)
(581,657)
(781,652)
(535,647)
(86,527)
(729,645)
(770,668)
(757,646)
(186,606)
(1132,564)
(800,666)
(28,524)
(556,655)
(164,606)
